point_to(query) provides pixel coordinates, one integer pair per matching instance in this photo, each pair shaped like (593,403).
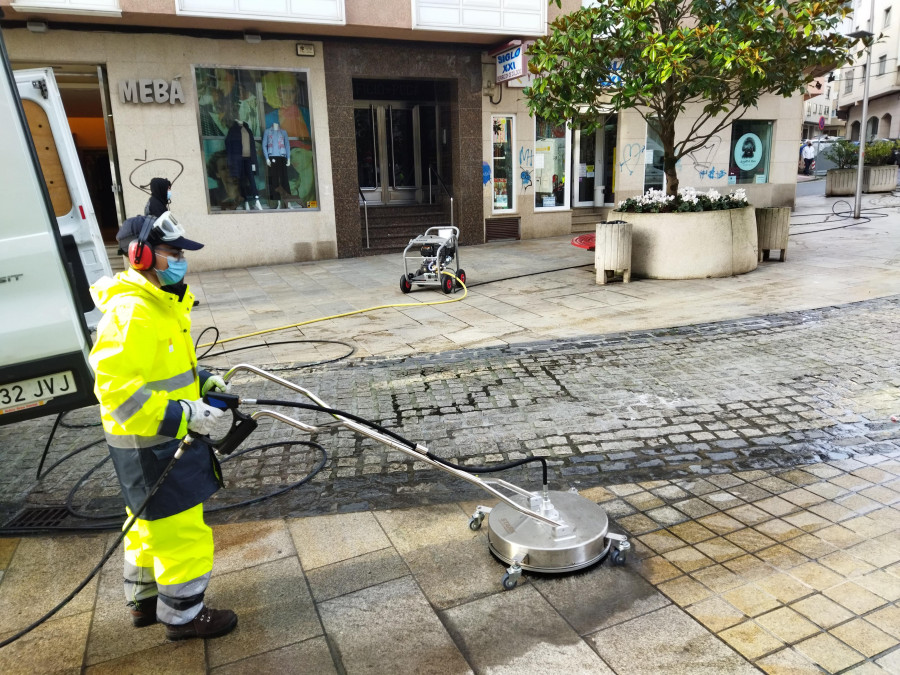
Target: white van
(51,251)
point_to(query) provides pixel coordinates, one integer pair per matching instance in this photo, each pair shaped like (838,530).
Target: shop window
(233,100)
(750,151)
(654,171)
(551,157)
(502,163)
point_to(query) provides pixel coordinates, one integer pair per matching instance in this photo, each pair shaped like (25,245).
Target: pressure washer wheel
(447,283)
(405,284)
(461,275)
(526,543)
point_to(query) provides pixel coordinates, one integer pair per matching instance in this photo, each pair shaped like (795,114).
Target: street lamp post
(867,36)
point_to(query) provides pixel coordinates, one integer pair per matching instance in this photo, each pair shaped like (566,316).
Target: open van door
(50,251)
(76,222)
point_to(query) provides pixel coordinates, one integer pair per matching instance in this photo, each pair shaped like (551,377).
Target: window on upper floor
(887,17)
(96,7)
(520,17)
(307,11)
(848,83)
(882,64)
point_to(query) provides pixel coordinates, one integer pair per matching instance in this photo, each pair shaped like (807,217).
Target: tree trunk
(667,137)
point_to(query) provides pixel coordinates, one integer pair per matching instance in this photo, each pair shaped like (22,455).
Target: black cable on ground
(839,214)
(106,556)
(70,498)
(259,345)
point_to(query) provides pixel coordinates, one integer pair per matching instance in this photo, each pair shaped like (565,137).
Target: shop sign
(512,63)
(151,91)
(748,151)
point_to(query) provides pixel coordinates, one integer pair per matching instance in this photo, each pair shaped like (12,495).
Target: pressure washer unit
(548,531)
(429,255)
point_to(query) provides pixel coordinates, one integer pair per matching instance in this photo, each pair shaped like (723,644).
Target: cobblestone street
(758,393)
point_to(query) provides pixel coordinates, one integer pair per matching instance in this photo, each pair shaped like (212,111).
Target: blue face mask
(174,273)
(169,195)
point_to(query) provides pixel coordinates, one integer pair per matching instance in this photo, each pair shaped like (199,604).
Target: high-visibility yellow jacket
(144,362)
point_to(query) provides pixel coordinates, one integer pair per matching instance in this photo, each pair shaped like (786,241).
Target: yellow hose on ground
(338,316)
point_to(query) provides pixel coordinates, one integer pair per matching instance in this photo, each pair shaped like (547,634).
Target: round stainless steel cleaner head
(512,534)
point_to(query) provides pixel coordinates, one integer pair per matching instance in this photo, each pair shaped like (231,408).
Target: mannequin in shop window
(277,151)
(240,147)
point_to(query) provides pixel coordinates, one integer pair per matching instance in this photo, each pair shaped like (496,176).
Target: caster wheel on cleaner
(617,557)
(509,582)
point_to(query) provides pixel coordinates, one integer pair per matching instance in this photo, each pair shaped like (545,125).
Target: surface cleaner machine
(427,256)
(546,531)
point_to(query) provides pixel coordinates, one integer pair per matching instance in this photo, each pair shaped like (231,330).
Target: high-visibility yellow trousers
(170,559)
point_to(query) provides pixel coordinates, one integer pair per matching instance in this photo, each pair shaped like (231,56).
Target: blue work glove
(214,383)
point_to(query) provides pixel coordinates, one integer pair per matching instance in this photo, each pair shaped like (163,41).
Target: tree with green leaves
(661,56)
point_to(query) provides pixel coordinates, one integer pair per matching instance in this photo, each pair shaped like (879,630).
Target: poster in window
(279,164)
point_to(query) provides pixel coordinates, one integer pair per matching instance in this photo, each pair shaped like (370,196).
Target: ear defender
(140,253)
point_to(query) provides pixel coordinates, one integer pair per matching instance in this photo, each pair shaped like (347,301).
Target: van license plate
(36,391)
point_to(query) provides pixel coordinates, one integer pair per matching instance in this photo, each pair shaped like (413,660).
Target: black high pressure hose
(106,556)
(405,441)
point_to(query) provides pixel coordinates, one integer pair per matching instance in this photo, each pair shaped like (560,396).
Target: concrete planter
(772,226)
(693,245)
(840,182)
(879,178)
(612,250)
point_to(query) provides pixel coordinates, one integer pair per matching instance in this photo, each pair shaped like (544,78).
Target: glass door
(368,153)
(586,170)
(395,144)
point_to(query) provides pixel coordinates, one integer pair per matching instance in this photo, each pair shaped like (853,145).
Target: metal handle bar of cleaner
(419,452)
(132,519)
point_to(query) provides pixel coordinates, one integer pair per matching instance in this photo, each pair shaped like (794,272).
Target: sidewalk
(780,569)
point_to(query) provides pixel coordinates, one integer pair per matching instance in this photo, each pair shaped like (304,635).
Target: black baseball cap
(164,230)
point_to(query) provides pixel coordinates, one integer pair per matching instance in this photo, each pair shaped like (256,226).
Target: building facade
(336,128)
(883,116)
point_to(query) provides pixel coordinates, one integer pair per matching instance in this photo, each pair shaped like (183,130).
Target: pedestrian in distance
(809,154)
(160,197)
(150,393)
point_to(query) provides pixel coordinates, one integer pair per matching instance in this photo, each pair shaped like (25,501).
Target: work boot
(209,623)
(143,613)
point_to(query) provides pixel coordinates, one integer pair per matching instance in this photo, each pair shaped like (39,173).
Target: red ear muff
(140,255)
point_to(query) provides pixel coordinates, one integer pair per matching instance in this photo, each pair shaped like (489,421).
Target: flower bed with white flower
(687,200)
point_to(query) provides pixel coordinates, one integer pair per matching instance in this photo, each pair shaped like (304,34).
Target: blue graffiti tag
(485,173)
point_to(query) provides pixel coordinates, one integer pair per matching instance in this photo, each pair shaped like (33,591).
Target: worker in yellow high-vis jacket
(150,391)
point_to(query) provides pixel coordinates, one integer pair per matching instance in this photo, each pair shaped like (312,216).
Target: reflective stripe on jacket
(144,362)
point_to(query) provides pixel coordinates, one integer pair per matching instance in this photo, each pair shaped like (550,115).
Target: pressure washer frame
(571,535)
(433,252)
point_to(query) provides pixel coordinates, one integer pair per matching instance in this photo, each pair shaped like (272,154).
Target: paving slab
(518,632)
(648,645)
(390,628)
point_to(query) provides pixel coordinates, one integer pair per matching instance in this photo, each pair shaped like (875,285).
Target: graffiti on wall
(526,166)
(703,160)
(631,157)
(161,167)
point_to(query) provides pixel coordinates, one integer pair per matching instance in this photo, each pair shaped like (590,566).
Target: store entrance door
(394,148)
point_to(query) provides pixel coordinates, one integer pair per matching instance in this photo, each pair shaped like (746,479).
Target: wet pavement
(737,429)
